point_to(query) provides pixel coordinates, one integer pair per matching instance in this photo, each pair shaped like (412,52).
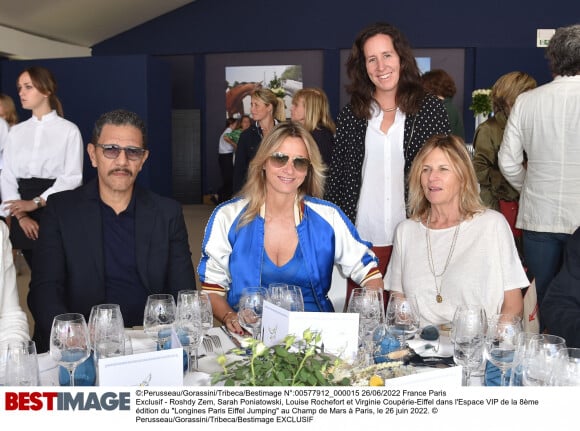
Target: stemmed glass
(69,342)
(107,331)
(367,303)
(542,359)
(159,317)
(402,317)
(288,297)
(190,325)
(568,370)
(521,356)
(468,333)
(500,341)
(202,303)
(22,364)
(250,309)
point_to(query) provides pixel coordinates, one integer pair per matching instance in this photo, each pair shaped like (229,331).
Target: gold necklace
(389,109)
(438,297)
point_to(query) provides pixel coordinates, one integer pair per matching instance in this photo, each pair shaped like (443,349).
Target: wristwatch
(37,201)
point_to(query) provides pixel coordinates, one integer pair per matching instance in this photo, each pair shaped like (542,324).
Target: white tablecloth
(142,343)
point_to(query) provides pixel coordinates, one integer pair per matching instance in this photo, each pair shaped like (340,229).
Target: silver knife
(231,337)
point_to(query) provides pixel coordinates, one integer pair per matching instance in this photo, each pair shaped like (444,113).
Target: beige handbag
(530,319)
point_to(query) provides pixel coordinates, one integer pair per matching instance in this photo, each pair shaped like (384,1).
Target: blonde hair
(316,109)
(10,114)
(507,88)
(268,97)
(454,148)
(255,188)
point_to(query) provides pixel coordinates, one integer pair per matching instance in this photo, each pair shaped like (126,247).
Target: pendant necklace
(438,297)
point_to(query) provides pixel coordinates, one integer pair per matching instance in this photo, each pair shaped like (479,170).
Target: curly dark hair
(439,83)
(410,91)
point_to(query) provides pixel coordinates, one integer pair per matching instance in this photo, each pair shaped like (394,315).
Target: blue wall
(88,87)
(497,36)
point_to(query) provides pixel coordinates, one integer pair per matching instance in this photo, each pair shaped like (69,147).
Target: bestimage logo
(67,401)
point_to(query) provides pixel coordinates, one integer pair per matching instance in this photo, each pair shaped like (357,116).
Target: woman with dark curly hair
(439,83)
(378,134)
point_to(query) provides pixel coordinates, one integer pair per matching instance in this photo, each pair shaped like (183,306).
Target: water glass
(250,308)
(69,342)
(542,360)
(402,317)
(568,369)
(468,334)
(500,342)
(159,317)
(521,355)
(22,364)
(288,297)
(107,331)
(3,359)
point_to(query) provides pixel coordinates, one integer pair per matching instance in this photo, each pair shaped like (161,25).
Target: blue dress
(293,272)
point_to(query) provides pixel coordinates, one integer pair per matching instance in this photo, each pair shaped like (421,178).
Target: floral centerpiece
(481,102)
(299,363)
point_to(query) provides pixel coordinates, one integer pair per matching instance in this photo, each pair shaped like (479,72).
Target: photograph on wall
(241,81)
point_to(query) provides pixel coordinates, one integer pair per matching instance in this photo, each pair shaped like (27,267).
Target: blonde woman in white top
(452,250)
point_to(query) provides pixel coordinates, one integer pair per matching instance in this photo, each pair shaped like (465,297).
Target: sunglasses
(279,160)
(112,151)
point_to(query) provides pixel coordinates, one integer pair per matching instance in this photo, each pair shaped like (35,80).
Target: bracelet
(226,315)
(21,217)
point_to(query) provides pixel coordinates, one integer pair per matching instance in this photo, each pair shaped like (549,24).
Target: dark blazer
(68,265)
(560,308)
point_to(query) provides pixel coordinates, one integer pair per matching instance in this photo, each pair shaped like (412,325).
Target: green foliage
(291,363)
(481,101)
(293,73)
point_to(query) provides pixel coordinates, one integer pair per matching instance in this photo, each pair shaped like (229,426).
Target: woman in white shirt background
(43,155)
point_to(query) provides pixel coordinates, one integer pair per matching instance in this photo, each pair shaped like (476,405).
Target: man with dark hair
(108,241)
(543,124)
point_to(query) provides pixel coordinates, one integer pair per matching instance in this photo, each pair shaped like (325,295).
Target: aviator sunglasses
(112,151)
(280,160)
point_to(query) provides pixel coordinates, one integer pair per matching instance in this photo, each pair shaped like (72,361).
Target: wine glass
(469,328)
(367,304)
(542,359)
(69,342)
(286,296)
(107,331)
(22,364)
(250,309)
(521,356)
(3,359)
(568,370)
(202,303)
(402,317)
(159,317)
(500,341)
(190,326)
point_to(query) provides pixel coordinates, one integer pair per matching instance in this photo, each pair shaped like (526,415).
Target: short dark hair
(119,117)
(563,52)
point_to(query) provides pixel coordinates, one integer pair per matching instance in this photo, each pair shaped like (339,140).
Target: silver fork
(207,345)
(216,340)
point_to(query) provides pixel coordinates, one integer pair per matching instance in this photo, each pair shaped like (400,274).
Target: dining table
(433,362)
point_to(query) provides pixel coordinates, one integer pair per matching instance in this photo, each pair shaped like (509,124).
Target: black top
(325,140)
(247,147)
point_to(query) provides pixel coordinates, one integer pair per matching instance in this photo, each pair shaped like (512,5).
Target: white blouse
(51,147)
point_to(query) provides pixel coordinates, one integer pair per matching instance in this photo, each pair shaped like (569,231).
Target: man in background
(544,124)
